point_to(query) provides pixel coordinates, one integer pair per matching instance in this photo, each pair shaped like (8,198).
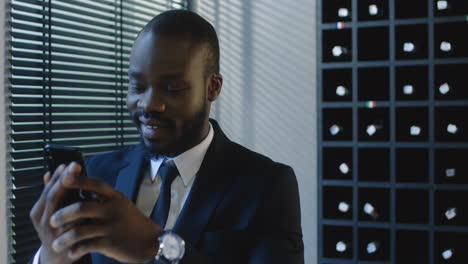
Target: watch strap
(162,260)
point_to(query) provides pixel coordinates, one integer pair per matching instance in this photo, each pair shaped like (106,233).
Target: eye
(137,87)
(174,87)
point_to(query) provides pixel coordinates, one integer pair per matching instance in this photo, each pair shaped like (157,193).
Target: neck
(205,129)
(202,133)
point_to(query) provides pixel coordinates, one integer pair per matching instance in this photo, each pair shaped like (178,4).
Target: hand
(110,225)
(49,202)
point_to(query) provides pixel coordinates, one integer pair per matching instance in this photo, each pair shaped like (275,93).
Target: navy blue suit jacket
(243,207)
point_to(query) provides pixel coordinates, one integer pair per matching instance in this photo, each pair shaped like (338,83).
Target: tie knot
(168,172)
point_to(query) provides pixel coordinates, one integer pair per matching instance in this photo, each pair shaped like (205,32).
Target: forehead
(158,54)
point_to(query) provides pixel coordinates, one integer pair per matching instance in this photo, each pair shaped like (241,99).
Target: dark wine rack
(411,42)
(374,244)
(411,83)
(393,131)
(374,164)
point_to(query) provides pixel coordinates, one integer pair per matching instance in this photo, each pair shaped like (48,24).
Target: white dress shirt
(188,164)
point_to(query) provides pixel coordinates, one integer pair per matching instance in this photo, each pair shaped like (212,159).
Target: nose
(151,101)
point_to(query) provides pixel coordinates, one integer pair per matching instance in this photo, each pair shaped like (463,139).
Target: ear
(214,86)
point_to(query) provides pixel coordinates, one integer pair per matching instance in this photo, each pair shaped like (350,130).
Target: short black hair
(188,24)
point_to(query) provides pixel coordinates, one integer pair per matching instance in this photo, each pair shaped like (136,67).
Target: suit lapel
(129,176)
(207,190)
(127,183)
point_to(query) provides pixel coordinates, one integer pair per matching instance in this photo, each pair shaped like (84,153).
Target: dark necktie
(168,172)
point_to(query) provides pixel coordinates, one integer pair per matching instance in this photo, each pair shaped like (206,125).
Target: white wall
(268,101)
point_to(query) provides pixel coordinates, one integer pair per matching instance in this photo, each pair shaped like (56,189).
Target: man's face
(167,94)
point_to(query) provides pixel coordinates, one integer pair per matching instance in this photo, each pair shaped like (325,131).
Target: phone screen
(58,154)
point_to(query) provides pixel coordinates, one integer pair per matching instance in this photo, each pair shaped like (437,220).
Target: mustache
(149,115)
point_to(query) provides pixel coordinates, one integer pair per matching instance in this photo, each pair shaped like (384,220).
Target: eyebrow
(175,76)
(165,77)
(136,75)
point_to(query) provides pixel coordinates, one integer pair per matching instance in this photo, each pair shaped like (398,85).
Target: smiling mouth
(154,126)
(150,126)
(152,131)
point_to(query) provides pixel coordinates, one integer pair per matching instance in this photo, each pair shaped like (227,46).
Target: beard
(188,135)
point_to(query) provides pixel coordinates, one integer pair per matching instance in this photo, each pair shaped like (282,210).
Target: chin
(155,149)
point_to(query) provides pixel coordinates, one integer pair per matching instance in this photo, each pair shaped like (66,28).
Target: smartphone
(58,154)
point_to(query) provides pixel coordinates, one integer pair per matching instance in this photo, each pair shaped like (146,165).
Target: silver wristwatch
(171,248)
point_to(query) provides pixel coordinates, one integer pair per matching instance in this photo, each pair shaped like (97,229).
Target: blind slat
(33,15)
(79,117)
(76,42)
(33,91)
(79,34)
(110,141)
(74,125)
(87,56)
(64,67)
(39,82)
(103,134)
(78,76)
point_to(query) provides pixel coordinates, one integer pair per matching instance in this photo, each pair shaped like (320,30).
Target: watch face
(173,247)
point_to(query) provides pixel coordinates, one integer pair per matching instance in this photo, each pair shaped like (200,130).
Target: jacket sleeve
(275,236)
(35,259)
(278,229)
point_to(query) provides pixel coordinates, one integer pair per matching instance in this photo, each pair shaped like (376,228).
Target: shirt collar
(189,162)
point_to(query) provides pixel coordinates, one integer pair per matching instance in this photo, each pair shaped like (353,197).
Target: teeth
(151,127)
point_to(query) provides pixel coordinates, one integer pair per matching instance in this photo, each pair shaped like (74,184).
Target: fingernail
(52,222)
(69,179)
(72,165)
(71,253)
(56,246)
(76,166)
(61,167)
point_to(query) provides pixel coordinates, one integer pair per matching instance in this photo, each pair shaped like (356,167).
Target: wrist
(37,256)
(44,256)
(153,243)
(171,248)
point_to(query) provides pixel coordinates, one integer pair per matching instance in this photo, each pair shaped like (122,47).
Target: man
(223,203)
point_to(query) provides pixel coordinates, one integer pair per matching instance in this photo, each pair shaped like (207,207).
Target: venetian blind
(68,63)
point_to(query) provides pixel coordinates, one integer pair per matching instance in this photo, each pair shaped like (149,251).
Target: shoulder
(252,158)
(260,166)
(99,164)
(113,156)
(266,187)
(236,155)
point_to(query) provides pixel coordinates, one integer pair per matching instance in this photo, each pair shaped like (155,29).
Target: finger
(77,234)
(78,211)
(36,213)
(57,192)
(38,208)
(55,176)
(47,177)
(64,228)
(91,185)
(87,246)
